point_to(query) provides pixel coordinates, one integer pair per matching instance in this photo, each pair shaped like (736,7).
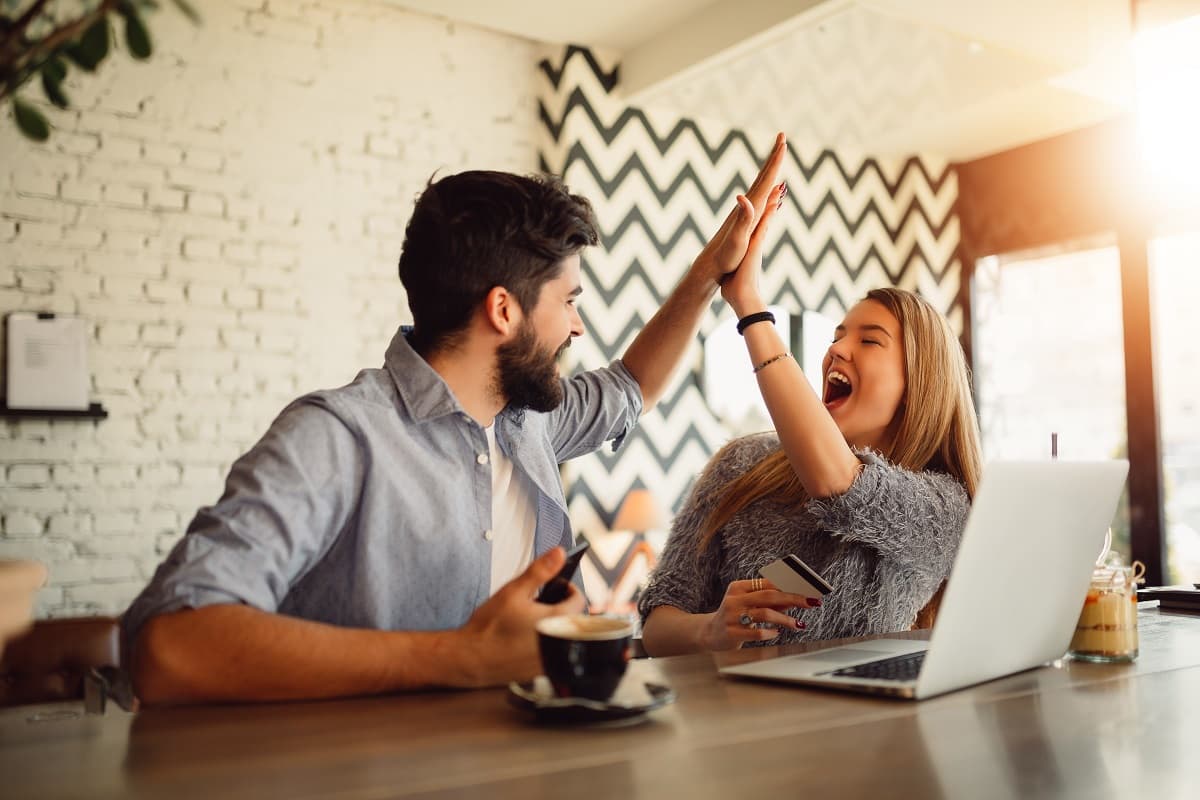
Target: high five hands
(740,238)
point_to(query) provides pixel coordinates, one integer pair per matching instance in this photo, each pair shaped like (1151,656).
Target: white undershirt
(513,517)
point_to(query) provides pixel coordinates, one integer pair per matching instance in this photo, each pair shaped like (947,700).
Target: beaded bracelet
(772,360)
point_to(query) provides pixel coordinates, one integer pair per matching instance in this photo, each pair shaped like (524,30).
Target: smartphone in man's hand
(793,576)
(557,588)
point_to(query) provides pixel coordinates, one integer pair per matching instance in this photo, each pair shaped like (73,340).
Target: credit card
(792,575)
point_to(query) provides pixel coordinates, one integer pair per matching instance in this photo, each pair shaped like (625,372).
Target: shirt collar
(423,393)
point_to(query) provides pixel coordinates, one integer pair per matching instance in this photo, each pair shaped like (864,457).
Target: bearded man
(392,534)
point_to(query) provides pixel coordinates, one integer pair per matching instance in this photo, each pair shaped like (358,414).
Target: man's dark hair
(476,230)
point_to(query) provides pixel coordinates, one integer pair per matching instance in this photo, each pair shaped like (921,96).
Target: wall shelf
(93,411)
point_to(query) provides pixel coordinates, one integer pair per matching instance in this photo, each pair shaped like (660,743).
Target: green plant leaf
(30,121)
(96,39)
(56,69)
(136,35)
(188,10)
(81,60)
(92,47)
(53,88)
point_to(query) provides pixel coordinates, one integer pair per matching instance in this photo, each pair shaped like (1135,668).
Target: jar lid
(1114,572)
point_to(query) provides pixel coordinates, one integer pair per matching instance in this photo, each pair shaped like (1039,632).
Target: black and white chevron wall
(660,186)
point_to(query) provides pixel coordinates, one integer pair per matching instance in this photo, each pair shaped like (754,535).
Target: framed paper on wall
(47,361)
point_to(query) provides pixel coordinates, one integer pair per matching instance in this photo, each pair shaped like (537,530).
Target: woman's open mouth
(837,389)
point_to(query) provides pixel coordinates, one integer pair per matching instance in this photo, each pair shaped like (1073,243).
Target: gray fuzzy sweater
(885,545)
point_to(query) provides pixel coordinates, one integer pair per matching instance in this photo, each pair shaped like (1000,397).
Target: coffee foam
(585,627)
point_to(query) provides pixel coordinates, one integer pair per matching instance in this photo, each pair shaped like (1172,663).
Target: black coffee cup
(584,655)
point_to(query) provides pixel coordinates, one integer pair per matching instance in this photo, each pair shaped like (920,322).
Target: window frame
(1073,187)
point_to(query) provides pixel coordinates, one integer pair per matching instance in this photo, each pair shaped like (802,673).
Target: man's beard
(528,375)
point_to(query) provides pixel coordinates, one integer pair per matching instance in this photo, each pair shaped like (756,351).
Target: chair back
(928,615)
(49,662)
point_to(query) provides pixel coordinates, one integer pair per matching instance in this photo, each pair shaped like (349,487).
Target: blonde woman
(869,484)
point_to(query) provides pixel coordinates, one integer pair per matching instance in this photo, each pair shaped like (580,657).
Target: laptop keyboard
(897,668)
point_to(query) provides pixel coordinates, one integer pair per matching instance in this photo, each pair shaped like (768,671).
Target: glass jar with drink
(1107,627)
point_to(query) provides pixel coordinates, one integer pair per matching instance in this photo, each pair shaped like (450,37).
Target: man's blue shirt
(370,505)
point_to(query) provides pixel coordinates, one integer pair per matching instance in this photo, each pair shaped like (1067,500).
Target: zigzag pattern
(606,78)
(558,152)
(660,186)
(839,198)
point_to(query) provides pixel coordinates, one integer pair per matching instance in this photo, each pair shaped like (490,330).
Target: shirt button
(487,535)
(481,458)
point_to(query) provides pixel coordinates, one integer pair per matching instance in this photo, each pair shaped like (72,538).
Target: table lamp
(639,514)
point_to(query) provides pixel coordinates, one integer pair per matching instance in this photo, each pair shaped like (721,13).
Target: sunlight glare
(1167,64)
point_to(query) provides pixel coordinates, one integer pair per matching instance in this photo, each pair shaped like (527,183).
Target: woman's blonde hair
(934,427)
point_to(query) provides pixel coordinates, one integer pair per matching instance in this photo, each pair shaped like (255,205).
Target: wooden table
(1072,730)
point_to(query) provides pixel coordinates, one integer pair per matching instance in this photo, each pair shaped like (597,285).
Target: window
(1048,356)
(729,384)
(1175,287)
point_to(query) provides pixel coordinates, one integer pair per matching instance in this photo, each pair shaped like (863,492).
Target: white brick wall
(228,217)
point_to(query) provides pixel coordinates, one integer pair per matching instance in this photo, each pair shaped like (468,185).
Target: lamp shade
(19,582)
(640,512)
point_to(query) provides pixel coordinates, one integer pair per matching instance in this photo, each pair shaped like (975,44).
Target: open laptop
(1014,594)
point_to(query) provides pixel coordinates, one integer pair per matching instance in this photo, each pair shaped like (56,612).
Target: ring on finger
(746,619)
(756,585)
